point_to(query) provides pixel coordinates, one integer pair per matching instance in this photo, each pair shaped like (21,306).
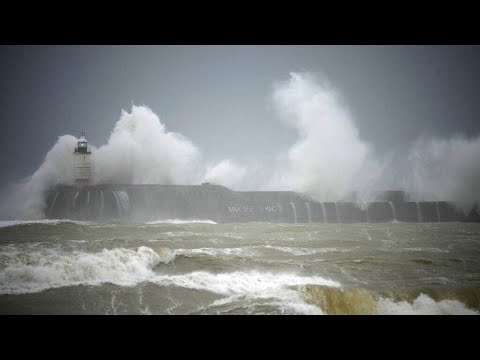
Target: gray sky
(220,96)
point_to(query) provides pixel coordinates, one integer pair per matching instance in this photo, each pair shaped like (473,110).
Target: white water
(101,197)
(309,211)
(251,285)
(75,199)
(294,212)
(37,271)
(117,202)
(394,213)
(123,202)
(423,305)
(325,220)
(33,272)
(254,251)
(299,251)
(53,203)
(180,222)
(419,213)
(219,252)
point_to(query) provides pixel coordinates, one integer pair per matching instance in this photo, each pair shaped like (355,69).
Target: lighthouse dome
(82,145)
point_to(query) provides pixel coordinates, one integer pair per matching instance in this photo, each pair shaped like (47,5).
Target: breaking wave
(423,305)
(277,287)
(38,271)
(361,301)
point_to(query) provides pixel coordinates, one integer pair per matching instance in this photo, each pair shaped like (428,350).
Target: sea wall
(220,204)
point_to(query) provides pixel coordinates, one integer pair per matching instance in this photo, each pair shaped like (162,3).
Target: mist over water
(25,200)
(448,168)
(328,161)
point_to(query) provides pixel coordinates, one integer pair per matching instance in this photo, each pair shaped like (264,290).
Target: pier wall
(220,204)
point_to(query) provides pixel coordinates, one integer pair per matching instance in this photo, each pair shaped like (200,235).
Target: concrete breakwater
(220,204)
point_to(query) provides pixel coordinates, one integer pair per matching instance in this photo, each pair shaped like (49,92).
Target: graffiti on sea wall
(236,208)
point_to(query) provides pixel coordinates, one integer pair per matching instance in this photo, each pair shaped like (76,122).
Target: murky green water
(57,267)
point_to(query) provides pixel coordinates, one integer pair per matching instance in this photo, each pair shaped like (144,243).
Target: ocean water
(200,267)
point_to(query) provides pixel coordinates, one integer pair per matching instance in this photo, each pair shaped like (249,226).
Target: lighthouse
(82,162)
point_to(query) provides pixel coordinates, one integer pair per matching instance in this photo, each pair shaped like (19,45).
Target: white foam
(252,285)
(7,223)
(299,251)
(37,271)
(287,301)
(426,249)
(252,251)
(218,252)
(423,305)
(181,222)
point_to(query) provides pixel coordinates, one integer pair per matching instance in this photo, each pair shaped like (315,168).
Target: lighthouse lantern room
(82,162)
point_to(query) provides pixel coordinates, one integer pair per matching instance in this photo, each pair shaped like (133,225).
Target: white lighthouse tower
(82,162)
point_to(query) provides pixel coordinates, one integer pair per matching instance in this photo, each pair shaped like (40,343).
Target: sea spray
(445,169)
(139,151)
(329,159)
(226,173)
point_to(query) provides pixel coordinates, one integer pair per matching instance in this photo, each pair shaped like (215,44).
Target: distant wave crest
(180,222)
(7,223)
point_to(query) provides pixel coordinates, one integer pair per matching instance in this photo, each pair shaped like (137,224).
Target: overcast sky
(220,96)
